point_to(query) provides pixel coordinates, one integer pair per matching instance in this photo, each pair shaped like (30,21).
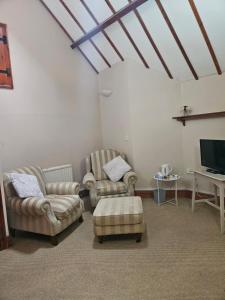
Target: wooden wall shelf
(183,119)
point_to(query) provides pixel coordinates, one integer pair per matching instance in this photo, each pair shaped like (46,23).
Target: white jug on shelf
(166,169)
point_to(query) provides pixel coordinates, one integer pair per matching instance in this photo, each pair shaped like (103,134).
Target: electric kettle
(166,169)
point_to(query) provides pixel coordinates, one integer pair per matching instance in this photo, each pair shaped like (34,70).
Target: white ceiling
(212,13)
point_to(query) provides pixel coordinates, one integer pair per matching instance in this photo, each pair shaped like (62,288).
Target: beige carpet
(182,256)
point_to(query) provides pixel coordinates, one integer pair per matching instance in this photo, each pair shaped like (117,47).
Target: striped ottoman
(119,215)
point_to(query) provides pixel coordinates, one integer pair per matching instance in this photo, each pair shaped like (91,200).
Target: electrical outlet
(190,171)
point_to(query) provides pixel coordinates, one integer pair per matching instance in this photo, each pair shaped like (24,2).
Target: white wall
(115,117)
(51,116)
(141,107)
(205,95)
(154,99)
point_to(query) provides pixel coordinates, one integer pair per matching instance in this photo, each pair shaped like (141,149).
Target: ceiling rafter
(205,35)
(172,30)
(151,40)
(103,31)
(83,30)
(126,31)
(69,36)
(114,18)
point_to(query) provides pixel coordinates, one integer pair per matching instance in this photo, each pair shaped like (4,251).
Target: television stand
(215,171)
(218,181)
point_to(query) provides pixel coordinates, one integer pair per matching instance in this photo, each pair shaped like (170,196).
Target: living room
(59,111)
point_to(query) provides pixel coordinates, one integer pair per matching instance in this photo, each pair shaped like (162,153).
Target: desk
(219,183)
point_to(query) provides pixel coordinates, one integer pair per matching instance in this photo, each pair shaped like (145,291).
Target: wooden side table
(172,179)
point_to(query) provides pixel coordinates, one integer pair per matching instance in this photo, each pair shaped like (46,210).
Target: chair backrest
(99,158)
(32,170)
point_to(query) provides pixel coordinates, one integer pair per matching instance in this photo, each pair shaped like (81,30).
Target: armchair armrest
(130,178)
(89,181)
(62,188)
(32,206)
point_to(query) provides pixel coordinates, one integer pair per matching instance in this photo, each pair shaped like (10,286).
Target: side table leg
(176,200)
(193,193)
(222,208)
(158,192)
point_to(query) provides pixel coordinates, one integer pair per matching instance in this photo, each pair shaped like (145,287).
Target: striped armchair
(49,215)
(97,182)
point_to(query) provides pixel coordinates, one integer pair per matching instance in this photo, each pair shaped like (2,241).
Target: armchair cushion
(116,168)
(62,188)
(99,159)
(107,187)
(63,206)
(32,170)
(25,185)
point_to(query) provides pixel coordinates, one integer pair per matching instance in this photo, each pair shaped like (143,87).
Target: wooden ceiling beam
(69,36)
(116,17)
(115,14)
(151,40)
(83,30)
(103,31)
(205,35)
(172,30)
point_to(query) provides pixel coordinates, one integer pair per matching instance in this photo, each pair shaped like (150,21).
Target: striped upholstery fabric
(118,211)
(49,215)
(119,229)
(64,205)
(34,206)
(118,216)
(63,188)
(107,187)
(97,182)
(47,224)
(99,159)
(114,196)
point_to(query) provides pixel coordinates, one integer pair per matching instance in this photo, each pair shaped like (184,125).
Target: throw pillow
(25,185)
(116,168)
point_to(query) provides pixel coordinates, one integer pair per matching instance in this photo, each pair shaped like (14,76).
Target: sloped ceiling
(77,17)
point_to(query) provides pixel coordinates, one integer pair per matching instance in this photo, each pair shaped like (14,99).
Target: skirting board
(170,194)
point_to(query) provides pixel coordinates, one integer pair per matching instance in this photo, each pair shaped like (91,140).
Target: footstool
(119,215)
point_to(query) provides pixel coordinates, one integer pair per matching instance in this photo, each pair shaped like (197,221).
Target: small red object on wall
(6,80)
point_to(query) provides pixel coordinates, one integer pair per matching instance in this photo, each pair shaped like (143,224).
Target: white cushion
(25,185)
(116,168)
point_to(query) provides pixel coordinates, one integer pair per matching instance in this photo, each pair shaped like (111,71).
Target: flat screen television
(213,155)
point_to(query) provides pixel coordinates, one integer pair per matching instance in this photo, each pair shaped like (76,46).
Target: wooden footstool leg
(138,237)
(100,239)
(81,219)
(54,240)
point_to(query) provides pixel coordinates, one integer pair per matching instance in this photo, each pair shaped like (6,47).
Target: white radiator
(62,173)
